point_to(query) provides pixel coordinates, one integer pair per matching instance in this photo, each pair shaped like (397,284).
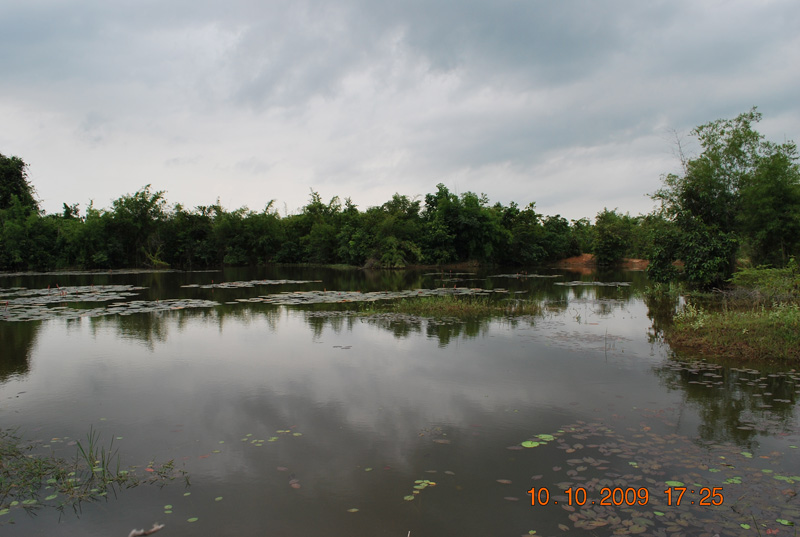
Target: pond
(284,412)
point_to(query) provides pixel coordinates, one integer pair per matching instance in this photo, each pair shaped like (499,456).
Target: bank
(757,318)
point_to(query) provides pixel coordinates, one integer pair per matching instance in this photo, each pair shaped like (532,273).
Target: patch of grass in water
(458,307)
(757,319)
(26,477)
(761,333)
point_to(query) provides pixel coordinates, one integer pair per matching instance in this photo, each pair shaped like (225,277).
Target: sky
(574,105)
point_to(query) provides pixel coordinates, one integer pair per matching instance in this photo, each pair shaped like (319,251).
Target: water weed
(29,481)
(457,307)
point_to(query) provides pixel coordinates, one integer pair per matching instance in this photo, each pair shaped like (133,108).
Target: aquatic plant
(457,307)
(30,481)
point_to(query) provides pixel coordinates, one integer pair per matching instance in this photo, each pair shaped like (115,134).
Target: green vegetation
(740,196)
(457,307)
(29,481)
(768,285)
(764,334)
(759,319)
(141,230)
(739,199)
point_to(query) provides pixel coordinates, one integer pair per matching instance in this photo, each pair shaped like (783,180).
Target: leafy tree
(558,241)
(769,218)
(582,233)
(396,226)
(439,217)
(134,225)
(612,235)
(527,236)
(14,183)
(717,203)
(188,237)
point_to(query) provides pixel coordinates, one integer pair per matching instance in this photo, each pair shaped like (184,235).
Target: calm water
(289,417)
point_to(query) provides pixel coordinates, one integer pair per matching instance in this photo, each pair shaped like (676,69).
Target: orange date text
(616,496)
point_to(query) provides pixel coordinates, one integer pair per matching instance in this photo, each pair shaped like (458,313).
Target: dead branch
(140,533)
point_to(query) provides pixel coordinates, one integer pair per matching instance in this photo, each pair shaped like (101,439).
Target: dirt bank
(586,261)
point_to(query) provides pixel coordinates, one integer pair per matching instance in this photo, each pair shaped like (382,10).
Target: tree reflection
(735,405)
(151,328)
(18,340)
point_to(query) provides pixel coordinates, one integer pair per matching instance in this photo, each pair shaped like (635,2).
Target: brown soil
(585,261)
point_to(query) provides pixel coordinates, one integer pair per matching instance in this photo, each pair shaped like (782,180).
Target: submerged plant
(30,481)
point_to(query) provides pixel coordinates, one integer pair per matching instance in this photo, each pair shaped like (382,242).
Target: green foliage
(742,190)
(758,333)
(773,284)
(612,235)
(95,471)
(581,236)
(758,319)
(769,216)
(14,184)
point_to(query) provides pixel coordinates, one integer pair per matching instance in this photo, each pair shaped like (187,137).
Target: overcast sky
(569,104)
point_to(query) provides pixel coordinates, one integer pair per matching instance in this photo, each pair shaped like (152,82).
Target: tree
(134,226)
(14,183)
(769,218)
(612,236)
(722,200)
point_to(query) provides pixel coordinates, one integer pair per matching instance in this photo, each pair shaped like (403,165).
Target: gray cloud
(562,103)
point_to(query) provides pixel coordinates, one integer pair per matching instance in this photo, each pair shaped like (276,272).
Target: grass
(458,307)
(757,319)
(761,333)
(29,481)
(770,284)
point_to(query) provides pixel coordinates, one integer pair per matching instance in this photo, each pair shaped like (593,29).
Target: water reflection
(17,341)
(734,405)
(251,398)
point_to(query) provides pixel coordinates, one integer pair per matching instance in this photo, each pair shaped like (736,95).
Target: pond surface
(293,416)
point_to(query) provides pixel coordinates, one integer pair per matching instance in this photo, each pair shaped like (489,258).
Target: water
(288,418)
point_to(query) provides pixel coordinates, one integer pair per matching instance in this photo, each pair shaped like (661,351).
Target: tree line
(740,197)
